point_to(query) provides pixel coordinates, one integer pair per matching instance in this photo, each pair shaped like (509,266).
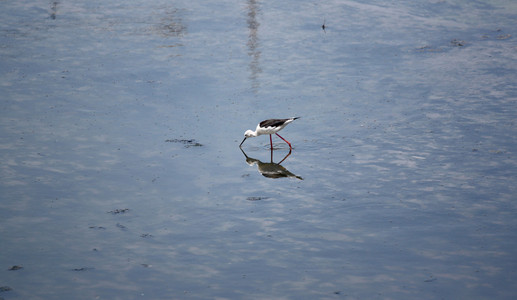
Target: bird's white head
(250,133)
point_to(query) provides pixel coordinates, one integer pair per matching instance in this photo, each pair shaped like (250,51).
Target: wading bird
(269,127)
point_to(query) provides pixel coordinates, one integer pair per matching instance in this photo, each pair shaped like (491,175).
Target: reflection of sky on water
(253,42)
(405,146)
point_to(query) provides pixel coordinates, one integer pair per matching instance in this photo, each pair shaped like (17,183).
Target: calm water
(121,175)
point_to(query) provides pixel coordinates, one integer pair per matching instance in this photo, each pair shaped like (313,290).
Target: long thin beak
(242,142)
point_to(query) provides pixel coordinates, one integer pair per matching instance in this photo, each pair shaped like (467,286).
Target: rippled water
(121,175)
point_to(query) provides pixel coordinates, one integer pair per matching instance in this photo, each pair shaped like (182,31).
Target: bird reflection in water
(271,169)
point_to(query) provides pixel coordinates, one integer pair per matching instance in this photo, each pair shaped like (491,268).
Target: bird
(269,127)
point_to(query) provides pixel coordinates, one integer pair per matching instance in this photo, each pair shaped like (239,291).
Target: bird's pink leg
(284,140)
(271,141)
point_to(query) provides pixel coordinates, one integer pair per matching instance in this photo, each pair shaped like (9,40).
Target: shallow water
(122,177)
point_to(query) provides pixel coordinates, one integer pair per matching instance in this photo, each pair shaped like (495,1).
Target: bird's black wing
(272,123)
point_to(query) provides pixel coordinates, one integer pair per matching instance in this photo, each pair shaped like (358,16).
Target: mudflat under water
(121,175)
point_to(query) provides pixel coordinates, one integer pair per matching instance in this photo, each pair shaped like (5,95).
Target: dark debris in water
(118,211)
(97,227)
(83,269)
(186,142)
(457,43)
(256,198)
(15,268)
(5,288)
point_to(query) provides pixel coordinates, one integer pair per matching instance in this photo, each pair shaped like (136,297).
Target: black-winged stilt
(269,127)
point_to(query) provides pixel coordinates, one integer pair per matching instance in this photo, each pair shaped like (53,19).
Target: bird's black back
(273,122)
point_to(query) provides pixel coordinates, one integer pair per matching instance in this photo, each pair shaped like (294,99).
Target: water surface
(122,177)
